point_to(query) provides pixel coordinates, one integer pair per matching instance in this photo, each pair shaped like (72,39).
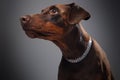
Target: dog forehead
(62,8)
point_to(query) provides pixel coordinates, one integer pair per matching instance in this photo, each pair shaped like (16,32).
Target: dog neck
(74,44)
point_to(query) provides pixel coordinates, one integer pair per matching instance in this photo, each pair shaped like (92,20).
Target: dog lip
(39,33)
(31,34)
(26,28)
(44,33)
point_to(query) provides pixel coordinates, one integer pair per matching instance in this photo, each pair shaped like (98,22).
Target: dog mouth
(38,34)
(44,33)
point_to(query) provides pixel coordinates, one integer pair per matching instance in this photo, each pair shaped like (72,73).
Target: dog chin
(31,34)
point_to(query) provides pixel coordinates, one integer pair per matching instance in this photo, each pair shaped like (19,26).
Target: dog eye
(53,11)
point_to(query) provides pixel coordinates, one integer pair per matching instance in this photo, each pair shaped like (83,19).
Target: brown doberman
(83,58)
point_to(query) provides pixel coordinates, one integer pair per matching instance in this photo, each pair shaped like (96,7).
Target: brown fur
(57,23)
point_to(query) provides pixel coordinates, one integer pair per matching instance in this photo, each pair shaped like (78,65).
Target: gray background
(36,59)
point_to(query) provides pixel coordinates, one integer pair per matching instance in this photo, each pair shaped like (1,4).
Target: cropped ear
(77,14)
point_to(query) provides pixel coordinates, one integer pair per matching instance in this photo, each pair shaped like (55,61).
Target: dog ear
(77,14)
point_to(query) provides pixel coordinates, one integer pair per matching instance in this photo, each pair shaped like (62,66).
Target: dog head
(53,22)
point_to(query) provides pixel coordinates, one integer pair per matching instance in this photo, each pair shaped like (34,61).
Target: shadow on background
(36,59)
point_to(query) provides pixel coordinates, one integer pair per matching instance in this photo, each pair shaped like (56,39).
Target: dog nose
(25,19)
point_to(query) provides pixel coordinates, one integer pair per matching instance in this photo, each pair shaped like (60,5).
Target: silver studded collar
(79,59)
